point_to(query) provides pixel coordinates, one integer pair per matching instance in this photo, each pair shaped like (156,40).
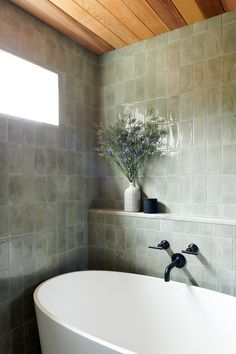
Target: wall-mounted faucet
(178,260)
(163,245)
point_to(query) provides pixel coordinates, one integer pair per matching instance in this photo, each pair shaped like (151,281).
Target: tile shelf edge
(166,216)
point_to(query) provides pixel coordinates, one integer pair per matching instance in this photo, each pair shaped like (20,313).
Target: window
(27,90)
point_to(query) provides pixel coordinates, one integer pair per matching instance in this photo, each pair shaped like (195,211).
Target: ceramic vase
(132,198)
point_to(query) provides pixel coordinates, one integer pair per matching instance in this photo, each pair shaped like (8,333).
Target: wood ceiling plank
(56,18)
(88,21)
(189,10)
(127,17)
(210,8)
(101,14)
(168,13)
(147,15)
(229,5)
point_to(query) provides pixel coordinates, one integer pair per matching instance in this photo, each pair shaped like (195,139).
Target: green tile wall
(46,178)
(120,243)
(49,176)
(188,76)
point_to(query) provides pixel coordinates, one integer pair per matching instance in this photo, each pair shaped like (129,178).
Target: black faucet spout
(169,269)
(178,260)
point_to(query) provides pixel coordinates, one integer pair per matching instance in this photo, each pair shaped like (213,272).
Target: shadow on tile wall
(46,178)
(120,243)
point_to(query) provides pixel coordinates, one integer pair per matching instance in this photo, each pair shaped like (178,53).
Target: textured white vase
(132,198)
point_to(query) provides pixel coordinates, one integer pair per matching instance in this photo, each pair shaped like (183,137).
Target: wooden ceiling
(102,25)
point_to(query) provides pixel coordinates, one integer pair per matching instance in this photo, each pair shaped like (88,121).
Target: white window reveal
(27,90)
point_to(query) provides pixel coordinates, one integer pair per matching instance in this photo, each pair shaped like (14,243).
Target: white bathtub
(99,312)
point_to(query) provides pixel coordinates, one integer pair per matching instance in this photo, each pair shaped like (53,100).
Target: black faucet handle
(163,245)
(191,249)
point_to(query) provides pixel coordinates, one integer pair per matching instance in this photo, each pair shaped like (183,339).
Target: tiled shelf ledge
(166,216)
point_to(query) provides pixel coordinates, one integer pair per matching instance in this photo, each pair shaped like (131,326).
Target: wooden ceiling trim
(56,18)
(102,25)
(147,15)
(79,14)
(168,13)
(101,14)
(127,17)
(210,8)
(189,10)
(229,5)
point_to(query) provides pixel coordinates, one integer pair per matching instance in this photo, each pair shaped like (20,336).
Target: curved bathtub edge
(72,328)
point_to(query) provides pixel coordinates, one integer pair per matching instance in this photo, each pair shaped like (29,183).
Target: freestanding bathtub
(100,312)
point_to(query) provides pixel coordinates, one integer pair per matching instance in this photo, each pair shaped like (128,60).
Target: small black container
(150,205)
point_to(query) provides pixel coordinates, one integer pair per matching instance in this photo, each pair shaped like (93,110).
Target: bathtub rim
(70,327)
(94,338)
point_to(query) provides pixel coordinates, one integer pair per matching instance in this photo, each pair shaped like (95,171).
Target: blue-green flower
(127,142)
